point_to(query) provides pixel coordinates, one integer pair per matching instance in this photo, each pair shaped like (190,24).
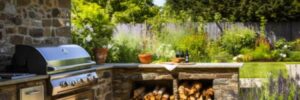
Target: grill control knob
(73,83)
(94,77)
(82,80)
(89,79)
(63,84)
(78,81)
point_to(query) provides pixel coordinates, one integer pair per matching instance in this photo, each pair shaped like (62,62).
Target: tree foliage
(91,26)
(128,11)
(237,10)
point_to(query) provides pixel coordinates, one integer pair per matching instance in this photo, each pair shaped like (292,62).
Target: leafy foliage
(91,26)
(237,10)
(236,38)
(195,44)
(128,11)
(124,49)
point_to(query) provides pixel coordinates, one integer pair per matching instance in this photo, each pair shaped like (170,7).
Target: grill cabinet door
(32,93)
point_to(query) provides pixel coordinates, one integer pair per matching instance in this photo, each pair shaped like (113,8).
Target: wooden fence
(288,30)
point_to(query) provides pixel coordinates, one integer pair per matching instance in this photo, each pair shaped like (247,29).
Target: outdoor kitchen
(39,62)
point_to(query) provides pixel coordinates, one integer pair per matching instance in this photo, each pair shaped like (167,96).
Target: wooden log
(165,96)
(197,86)
(208,93)
(149,96)
(197,95)
(160,93)
(200,98)
(138,93)
(162,90)
(156,89)
(172,97)
(192,91)
(191,98)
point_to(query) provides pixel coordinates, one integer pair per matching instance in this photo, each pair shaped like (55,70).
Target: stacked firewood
(159,93)
(194,91)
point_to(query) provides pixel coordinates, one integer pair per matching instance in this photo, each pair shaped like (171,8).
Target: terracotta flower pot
(100,55)
(145,58)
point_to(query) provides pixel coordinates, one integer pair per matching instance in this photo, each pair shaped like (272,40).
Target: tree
(127,11)
(238,10)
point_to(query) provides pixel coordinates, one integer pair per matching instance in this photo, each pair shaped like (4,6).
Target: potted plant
(145,57)
(91,28)
(165,53)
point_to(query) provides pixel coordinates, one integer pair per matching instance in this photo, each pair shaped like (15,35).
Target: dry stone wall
(32,22)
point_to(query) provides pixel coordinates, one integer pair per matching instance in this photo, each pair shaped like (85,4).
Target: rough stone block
(10,30)
(37,23)
(64,3)
(64,31)
(2,5)
(51,41)
(23,30)
(55,12)
(49,3)
(106,74)
(16,39)
(36,32)
(23,2)
(54,22)
(222,81)
(28,40)
(1,35)
(3,16)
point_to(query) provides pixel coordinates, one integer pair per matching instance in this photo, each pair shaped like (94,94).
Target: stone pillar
(32,22)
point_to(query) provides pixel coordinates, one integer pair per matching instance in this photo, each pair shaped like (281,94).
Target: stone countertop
(183,65)
(23,80)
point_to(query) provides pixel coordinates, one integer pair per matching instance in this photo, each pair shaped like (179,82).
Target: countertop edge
(28,79)
(138,65)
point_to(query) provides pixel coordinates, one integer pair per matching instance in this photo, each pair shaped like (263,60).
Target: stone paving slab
(294,71)
(251,82)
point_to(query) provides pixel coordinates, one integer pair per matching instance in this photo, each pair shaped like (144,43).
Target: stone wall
(225,81)
(32,22)
(103,91)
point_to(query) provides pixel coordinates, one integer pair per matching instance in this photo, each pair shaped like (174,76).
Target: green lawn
(262,69)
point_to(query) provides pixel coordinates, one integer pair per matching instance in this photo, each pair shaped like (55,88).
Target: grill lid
(49,59)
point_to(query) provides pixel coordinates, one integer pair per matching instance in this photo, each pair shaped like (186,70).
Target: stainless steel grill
(67,65)
(50,59)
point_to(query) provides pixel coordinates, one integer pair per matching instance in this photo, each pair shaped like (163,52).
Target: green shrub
(236,38)
(217,54)
(262,53)
(196,45)
(293,56)
(281,50)
(124,49)
(295,45)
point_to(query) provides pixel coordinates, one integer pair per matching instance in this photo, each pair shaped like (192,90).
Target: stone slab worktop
(189,65)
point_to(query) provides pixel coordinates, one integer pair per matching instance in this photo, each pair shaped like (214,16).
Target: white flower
(80,31)
(285,46)
(89,27)
(234,58)
(88,38)
(240,56)
(282,55)
(109,46)
(68,24)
